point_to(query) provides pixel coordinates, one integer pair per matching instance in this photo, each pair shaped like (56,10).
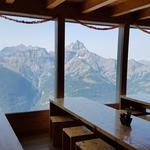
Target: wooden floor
(37,142)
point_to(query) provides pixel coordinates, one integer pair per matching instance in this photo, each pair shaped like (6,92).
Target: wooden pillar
(122,60)
(59,56)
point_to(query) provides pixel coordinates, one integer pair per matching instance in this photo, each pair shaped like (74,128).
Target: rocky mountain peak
(76,46)
(21,47)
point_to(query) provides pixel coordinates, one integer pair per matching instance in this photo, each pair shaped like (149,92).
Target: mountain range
(27,76)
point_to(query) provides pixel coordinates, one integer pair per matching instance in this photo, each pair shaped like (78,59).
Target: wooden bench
(74,134)
(93,144)
(57,123)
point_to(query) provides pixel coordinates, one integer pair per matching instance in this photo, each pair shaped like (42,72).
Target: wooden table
(107,121)
(8,139)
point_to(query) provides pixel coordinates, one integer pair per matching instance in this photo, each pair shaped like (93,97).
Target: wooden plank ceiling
(9,1)
(112,11)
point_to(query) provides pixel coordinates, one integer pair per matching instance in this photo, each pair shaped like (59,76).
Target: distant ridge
(86,73)
(145,62)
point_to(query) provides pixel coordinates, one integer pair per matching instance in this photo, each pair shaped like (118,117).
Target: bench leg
(65,142)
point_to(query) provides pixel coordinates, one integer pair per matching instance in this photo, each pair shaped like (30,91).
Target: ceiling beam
(54,3)
(91,5)
(144,14)
(129,6)
(29,9)
(9,1)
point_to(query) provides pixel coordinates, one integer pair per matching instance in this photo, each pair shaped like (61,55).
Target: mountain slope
(34,64)
(16,93)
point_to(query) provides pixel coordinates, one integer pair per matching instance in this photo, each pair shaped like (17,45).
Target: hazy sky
(104,43)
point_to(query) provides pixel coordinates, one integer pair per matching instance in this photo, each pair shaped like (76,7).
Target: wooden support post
(123,43)
(60,56)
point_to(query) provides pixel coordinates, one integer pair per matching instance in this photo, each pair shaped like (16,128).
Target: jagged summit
(21,47)
(76,46)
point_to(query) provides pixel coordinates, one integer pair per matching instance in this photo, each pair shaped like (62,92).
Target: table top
(107,121)
(8,139)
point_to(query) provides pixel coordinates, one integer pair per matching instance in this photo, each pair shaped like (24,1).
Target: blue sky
(104,43)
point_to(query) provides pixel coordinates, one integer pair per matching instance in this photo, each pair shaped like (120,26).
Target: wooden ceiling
(111,11)
(10,1)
